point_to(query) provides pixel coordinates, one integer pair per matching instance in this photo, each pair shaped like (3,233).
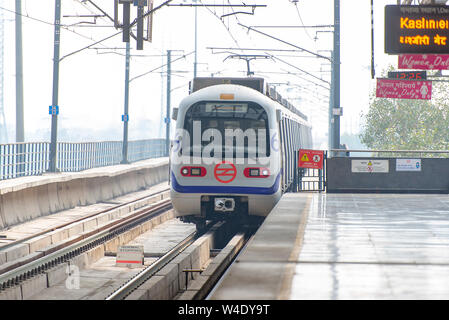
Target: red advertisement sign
(423,61)
(312,159)
(404,89)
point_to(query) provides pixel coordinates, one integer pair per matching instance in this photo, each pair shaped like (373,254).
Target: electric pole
(125,117)
(20,132)
(331,102)
(3,128)
(196,43)
(167,118)
(54,108)
(336,110)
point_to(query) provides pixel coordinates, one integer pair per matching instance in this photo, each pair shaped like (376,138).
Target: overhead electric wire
(285,42)
(260,49)
(141,75)
(316,26)
(101,10)
(298,85)
(293,66)
(119,32)
(302,23)
(65,27)
(229,31)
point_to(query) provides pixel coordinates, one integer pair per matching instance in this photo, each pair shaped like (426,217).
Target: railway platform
(30,197)
(345,246)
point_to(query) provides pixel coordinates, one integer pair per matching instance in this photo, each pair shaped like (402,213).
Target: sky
(91,84)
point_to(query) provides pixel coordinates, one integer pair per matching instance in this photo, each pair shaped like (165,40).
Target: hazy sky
(91,86)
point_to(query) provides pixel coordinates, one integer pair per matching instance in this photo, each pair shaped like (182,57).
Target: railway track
(153,195)
(135,282)
(219,261)
(54,255)
(64,253)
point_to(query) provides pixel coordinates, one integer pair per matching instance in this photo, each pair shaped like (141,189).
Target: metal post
(295,171)
(125,115)
(167,119)
(54,104)
(373,72)
(20,132)
(336,74)
(324,171)
(196,44)
(3,128)
(248,72)
(331,104)
(139,45)
(126,22)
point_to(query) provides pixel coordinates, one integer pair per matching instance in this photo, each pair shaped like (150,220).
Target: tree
(403,124)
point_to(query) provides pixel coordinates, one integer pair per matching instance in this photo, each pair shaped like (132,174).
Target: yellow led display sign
(416,29)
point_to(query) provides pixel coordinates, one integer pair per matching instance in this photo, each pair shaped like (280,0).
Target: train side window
(293,146)
(283,159)
(297,136)
(293,133)
(288,138)
(289,160)
(302,137)
(298,142)
(290,150)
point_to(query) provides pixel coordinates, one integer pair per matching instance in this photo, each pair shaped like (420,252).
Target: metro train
(232,156)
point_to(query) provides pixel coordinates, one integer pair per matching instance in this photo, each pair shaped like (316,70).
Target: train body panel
(232,153)
(190,203)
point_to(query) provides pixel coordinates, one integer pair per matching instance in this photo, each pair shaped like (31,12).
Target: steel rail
(134,283)
(74,247)
(148,272)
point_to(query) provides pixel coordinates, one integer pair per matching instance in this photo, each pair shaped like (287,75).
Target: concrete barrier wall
(433,177)
(26,198)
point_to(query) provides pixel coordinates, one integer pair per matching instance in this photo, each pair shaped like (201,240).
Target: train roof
(257,84)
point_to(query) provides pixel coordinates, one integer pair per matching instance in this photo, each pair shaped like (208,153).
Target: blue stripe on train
(224,189)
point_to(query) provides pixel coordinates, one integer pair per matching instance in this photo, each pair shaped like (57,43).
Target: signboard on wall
(130,256)
(408,165)
(423,61)
(369,166)
(312,159)
(416,29)
(404,89)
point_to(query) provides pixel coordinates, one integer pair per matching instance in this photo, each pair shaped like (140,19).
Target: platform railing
(392,153)
(33,158)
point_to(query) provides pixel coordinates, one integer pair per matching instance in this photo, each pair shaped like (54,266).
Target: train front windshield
(238,127)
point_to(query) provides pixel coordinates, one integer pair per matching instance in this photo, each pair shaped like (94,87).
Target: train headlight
(256,172)
(193,171)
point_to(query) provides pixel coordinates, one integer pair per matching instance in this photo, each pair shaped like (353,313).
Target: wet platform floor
(347,246)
